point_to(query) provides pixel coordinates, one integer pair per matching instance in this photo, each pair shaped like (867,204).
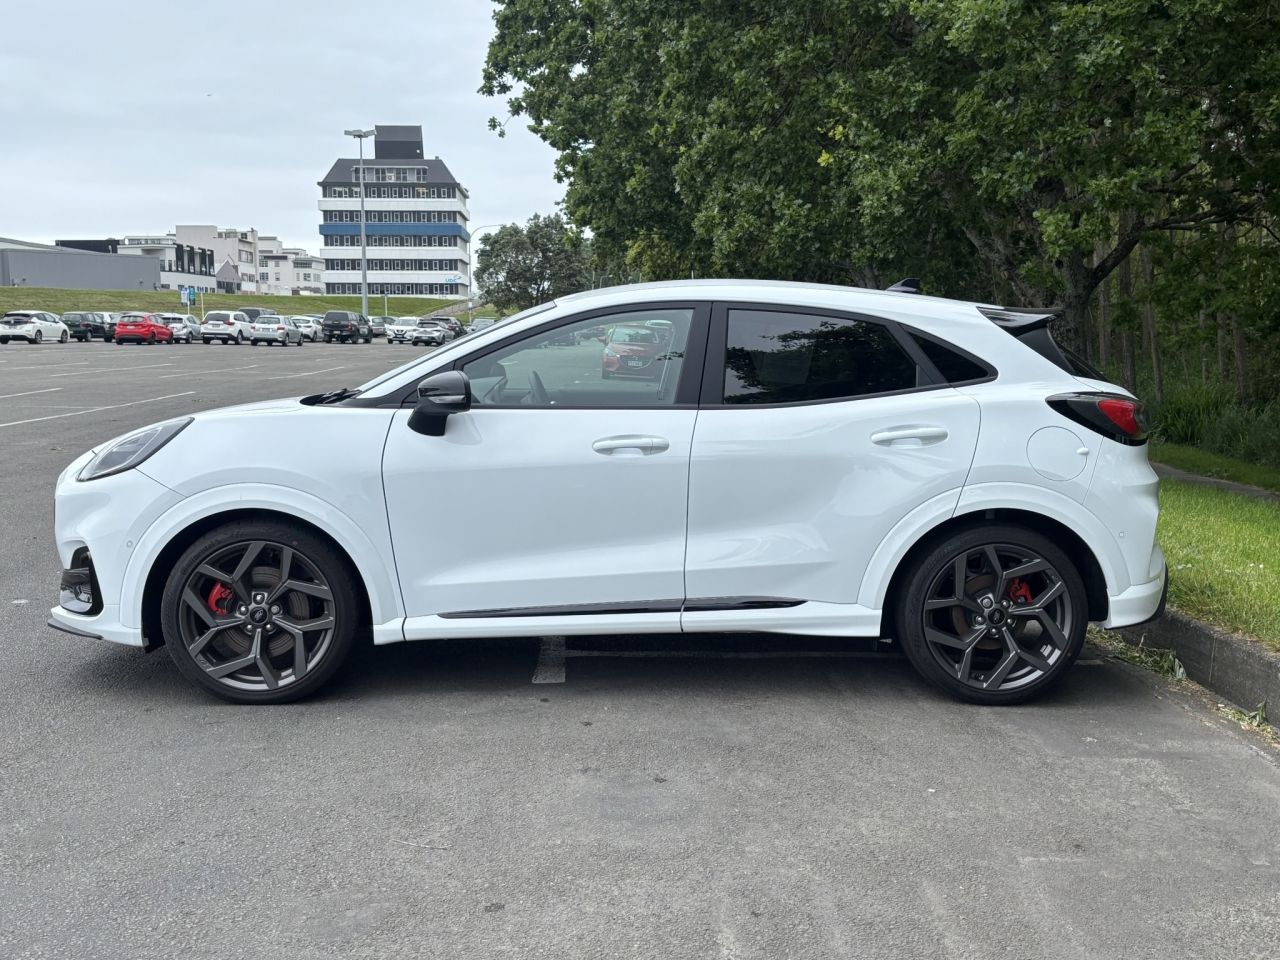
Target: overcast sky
(120,118)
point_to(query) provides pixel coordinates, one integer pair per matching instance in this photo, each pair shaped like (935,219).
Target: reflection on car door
(818,433)
(576,488)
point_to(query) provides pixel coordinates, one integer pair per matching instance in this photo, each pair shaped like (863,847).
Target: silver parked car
(185,327)
(270,329)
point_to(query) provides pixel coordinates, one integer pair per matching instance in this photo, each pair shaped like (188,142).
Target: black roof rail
(908,285)
(1020,320)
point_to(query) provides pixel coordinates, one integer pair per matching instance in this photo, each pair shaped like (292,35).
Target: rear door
(818,432)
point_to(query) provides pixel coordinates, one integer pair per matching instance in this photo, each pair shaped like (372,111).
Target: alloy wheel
(998,617)
(257,616)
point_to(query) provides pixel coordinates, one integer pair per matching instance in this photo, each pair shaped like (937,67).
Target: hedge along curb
(1234,667)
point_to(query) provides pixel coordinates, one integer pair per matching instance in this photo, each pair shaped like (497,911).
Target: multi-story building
(238,247)
(416,221)
(287,270)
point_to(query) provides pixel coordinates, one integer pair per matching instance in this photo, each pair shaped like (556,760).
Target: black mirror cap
(439,397)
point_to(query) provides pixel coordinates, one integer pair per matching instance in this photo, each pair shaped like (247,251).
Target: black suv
(346,326)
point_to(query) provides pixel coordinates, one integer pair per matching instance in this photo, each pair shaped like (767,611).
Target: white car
(225,326)
(429,332)
(309,327)
(402,329)
(807,460)
(270,328)
(33,326)
(185,327)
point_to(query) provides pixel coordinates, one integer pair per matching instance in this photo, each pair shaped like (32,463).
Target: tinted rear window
(955,367)
(775,357)
(224,317)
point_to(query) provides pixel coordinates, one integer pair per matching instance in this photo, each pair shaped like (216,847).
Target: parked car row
(252,325)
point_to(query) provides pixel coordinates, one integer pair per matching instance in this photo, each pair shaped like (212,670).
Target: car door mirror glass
(439,397)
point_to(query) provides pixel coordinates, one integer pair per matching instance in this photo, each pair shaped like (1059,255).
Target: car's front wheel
(38,338)
(260,612)
(993,614)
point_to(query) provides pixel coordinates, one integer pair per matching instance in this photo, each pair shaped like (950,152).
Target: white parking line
(550,667)
(114,406)
(196,373)
(53,366)
(309,373)
(81,373)
(27,393)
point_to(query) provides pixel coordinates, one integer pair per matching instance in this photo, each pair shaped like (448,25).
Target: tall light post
(471,270)
(360,136)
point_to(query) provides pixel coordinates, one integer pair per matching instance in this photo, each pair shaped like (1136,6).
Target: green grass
(112,301)
(1223,551)
(1207,464)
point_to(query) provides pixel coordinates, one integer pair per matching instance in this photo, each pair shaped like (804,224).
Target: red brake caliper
(219,599)
(1019,592)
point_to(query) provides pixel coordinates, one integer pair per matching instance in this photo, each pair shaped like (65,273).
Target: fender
(974,499)
(380,583)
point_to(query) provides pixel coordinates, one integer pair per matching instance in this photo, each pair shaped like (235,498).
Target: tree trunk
(1128,351)
(1222,345)
(1151,335)
(1242,367)
(1204,352)
(1104,323)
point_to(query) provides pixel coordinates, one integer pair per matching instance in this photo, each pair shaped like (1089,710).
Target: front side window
(631,359)
(777,357)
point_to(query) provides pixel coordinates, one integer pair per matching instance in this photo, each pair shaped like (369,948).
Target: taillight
(279,329)
(1122,419)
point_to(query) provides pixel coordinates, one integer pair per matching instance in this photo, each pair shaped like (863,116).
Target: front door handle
(909,436)
(631,445)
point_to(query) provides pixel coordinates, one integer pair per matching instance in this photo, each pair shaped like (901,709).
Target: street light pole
(361,136)
(471,267)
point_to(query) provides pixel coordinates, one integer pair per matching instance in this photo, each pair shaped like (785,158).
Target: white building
(287,270)
(181,264)
(239,247)
(416,221)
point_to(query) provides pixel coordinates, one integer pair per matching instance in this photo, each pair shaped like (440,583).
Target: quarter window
(955,367)
(776,357)
(631,359)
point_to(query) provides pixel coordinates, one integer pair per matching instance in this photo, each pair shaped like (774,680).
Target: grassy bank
(1223,551)
(1195,460)
(112,301)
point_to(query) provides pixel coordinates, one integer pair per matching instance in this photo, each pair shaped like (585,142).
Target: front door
(560,497)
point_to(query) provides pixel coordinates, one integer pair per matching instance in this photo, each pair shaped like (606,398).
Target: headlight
(131,449)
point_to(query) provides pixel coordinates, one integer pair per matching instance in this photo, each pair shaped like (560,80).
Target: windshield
(434,357)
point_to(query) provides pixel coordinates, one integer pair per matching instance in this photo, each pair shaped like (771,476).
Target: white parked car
(429,332)
(402,329)
(271,329)
(806,459)
(225,326)
(185,327)
(309,327)
(33,326)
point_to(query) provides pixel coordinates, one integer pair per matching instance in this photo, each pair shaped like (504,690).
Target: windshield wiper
(336,396)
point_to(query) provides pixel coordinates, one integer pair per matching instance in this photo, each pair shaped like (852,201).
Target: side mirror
(439,396)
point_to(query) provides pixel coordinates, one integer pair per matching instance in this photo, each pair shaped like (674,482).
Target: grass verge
(113,301)
(1223,551)
(1195,460)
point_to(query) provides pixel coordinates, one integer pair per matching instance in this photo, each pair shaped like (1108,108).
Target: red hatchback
(634,351)
(142,328)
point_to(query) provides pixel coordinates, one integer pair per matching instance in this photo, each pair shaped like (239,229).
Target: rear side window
(954,366)
(776,357)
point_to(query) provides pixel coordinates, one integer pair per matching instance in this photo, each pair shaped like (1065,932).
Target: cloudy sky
(130,117)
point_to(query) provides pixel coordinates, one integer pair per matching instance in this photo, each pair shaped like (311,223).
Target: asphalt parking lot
(762,797)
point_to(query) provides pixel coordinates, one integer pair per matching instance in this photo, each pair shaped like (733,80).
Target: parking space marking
(81,373)
(308,373)
(27,393)
(114,406)
(196,373)
(550,667)
(54,365)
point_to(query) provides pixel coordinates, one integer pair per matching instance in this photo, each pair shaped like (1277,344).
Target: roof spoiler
(1021,320)
(909,285)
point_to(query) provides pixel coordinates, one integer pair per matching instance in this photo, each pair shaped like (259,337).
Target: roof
(340,172)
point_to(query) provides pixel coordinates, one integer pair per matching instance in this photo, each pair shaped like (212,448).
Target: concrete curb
(1230,486)
(1236,668)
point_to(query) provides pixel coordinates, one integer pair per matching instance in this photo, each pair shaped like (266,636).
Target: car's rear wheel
(993,614)
(260,612)
(38,338)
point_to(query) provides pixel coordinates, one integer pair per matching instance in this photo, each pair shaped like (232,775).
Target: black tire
(39,337)
(4,341)
(190,619)
(953,637)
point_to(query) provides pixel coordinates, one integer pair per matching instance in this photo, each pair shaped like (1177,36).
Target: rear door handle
(909,436)
(630,445)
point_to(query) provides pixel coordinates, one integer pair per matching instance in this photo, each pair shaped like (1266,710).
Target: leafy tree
(519,267)
(997,148)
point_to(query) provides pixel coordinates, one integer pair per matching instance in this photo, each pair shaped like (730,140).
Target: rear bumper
(1141,603)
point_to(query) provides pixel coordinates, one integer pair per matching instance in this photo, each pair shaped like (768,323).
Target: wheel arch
(1077,550)
(181,539)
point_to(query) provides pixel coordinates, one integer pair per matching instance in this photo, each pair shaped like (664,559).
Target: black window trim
(712,392)
(923,358)
(686,390)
